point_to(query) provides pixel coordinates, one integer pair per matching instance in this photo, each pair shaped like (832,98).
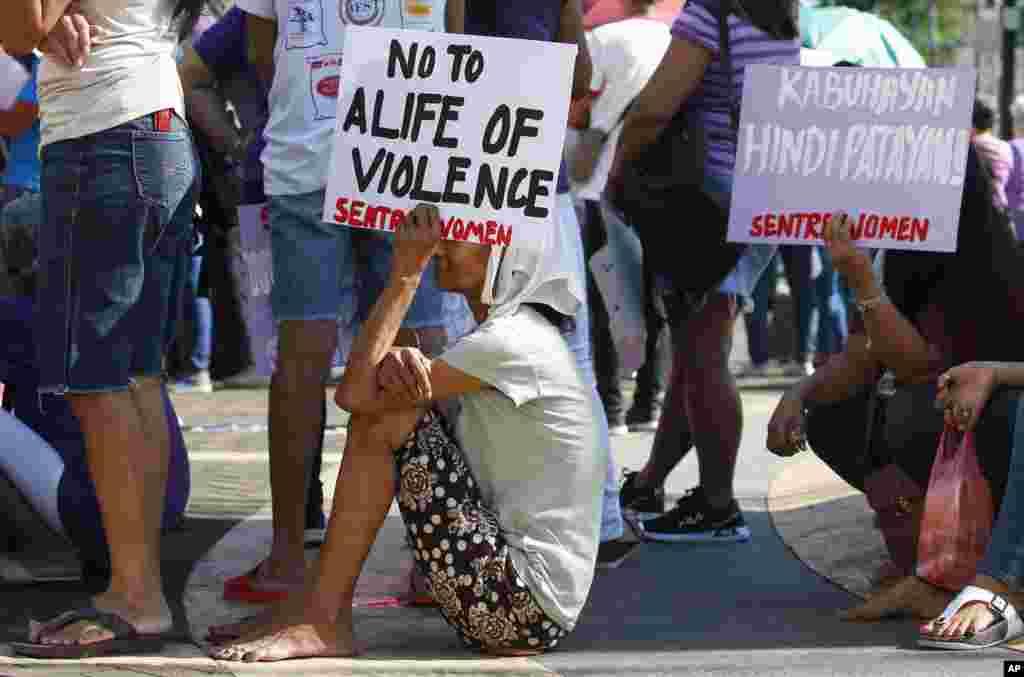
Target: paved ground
(750,609)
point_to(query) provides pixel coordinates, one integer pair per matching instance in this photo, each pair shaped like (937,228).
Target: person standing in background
(118,192)
(296,45)
(1015,181)
(995,154)
(624,55)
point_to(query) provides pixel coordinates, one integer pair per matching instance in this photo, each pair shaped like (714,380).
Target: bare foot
(152,617)
(971,618)
(910,597)
(322,639)
(262,623)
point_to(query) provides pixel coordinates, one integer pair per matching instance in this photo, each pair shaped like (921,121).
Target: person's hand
(416,241)
(963,393)
(852,262)
(405,372)
(70,41)
(786,428)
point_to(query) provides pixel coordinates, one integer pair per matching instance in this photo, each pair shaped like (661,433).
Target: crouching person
(491,450)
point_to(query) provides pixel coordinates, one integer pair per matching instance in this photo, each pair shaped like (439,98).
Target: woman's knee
(385,431)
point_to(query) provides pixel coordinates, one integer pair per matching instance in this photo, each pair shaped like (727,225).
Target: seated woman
(987,612)
(495,448)
(921,313)
(42,450)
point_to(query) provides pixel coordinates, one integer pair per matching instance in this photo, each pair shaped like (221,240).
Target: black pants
(907,434)
(652,377)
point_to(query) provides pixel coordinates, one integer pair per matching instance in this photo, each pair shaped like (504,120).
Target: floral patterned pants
(460,550)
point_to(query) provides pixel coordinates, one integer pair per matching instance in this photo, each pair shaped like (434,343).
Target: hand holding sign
(416,241)
(847,257)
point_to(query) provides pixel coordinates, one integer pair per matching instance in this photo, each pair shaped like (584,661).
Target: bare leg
(673,439)
(322,624)
(912,597)
(296,397)
(714,407)
(128,448)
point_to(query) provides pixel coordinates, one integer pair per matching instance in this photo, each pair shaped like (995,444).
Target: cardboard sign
(472,124)
(13,77)
(887,146)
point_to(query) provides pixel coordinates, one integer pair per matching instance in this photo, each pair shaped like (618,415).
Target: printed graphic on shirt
(305,24)
(362,12)
(324,82)
(418,15)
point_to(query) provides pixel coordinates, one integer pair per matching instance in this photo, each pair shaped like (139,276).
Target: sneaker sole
(642,516)
(738,535)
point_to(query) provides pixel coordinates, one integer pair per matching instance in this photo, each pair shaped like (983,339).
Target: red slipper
(245,588)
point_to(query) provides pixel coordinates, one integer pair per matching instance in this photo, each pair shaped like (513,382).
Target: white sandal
(1006,628)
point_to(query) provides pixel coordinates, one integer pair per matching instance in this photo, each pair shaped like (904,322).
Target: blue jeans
(314,263)
(833,328)
(612,526)
(113,254)
(1004,559)
(202,318)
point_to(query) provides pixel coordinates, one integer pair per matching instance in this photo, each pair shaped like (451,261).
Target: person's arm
(24,24)
(893,340)
(676,78)
(261,37)
(360,390)
(964,391)
(455,16)
(206,106)
(570,30)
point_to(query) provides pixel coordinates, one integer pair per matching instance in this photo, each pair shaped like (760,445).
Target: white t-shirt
(625,55)
(304,94)
(130,72)
(532,445)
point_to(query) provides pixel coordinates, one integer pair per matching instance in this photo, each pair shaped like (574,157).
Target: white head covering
(534,273)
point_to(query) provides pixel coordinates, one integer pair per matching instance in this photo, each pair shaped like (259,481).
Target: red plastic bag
(956,525)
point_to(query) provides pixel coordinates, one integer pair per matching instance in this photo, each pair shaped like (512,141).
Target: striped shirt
(712,101)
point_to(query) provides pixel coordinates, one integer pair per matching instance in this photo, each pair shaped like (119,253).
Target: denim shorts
(113,254)
(317,265)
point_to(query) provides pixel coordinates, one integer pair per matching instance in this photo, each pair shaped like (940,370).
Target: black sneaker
(694,521)
(611,554)
(643,504)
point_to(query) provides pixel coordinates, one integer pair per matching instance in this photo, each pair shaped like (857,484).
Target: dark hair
(980,288)
(845,64)
(186,13)
(777,18)
(984,116)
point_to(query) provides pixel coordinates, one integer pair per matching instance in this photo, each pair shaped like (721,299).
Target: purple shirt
(712,101)
(524,19)
(998,158)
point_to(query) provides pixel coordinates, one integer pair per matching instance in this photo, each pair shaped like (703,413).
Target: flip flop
(246,588)
(1006,628)
(126,638)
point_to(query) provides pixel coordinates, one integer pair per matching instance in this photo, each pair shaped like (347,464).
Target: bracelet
(870,304)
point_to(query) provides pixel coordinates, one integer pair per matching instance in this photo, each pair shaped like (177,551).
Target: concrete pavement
(747,609)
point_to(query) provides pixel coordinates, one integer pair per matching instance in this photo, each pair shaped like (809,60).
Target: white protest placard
(887,146)
(13,77)
(472,124)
